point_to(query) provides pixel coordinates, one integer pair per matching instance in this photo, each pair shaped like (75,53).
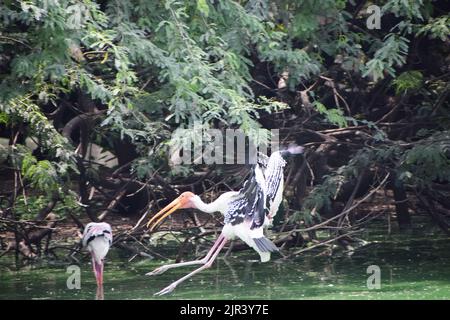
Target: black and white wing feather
(260,197)
(262,160)
(94,230)
(261,193)
(274,179)
(249,204)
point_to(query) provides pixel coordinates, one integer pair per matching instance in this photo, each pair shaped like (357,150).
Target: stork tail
(265,245)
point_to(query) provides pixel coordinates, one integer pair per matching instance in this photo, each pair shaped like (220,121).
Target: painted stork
(97,239)
(246,212)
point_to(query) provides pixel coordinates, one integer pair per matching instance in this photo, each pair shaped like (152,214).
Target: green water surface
(415,265)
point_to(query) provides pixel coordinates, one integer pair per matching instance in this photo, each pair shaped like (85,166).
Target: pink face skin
(186,200)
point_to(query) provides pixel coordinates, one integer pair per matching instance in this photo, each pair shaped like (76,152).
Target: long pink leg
(101,273)
(188,263)
(171,287)
(97,272)
(99,294)
(93,266)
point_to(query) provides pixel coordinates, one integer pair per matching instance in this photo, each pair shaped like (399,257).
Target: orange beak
(164,213)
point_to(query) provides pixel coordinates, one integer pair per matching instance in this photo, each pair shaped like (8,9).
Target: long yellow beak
(161,215)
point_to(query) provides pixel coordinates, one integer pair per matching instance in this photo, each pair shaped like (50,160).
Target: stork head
(182,202)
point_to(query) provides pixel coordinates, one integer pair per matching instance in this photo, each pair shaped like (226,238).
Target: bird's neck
(206,207)
(218,205)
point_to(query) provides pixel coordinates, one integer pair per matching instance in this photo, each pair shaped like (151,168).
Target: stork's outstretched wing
(274,177)
(262,192)
(249,204)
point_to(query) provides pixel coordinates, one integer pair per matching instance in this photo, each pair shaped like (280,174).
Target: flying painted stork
(246,212)
(97,239)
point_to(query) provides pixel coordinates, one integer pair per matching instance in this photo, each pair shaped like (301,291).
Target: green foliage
(428,160)
(392,53)
(304,24)
(405,8)
(321,195)
(203,7)
(4,119)
(437,28)
(150,67)
(30,113)
(42,174)
(27,206)
(195,54)
(408,81)
(334,116)
(297,63)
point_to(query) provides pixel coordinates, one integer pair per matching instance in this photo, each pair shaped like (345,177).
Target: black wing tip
(265,245)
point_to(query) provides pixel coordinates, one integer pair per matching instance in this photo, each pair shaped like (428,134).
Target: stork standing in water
(97,239)
(246,212)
